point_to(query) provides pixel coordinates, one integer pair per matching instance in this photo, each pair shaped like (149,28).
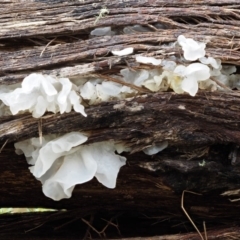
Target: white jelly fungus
(95,91)
(123,52)
(41,93)
(103,31)
(191,75)
(146,60)
(191,48)
(155,148)
(61,162)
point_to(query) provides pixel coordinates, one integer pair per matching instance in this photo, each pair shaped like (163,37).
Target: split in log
(208,118)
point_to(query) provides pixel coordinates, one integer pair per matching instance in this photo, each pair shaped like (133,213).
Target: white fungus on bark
(191,48)
(191,75)
(97,91)
(123,52)
(103,31)
(42,93)
(155,148)
(146,60)
(61,162)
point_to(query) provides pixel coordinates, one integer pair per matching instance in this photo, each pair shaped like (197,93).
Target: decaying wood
(208,118)
(67,26)
(52,37)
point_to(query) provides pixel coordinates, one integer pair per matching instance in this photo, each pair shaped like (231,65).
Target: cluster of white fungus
(155,148)
(152,60)
(192,50)
(40,93)
(123,52)
(192,75)
(104,31)
(61,162)
(96,91)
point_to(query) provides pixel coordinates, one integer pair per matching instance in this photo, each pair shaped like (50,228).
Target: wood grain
(53,37)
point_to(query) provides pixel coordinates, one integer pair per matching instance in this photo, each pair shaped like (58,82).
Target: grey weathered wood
(66,25)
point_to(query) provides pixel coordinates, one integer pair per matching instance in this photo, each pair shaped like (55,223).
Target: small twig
(88,228)
(234,200)
(102,232)
(231,46)
(152,27)
(38,226)
(93,228)
(66,223)
(221,84)
(132,69)
(104,229)
(3,145)
(205,230)
(139,89)
(113,224)
(36,42)
(40,130)
(47,46)
(189,218)
(102,14)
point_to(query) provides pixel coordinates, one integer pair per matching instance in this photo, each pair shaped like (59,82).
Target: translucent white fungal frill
(191,75)
(135,29)
(97,91)
(191,48)
(40,93)
(146,60)
(123,52)
(155,148)
(134,77)
(103,31)
(61,162)
(215,63)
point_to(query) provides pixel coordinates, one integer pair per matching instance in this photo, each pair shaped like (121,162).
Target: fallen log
(203,132)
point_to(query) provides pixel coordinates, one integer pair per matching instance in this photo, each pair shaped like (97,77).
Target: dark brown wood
(36,226)
(208,118)
(146,185)
(161,176)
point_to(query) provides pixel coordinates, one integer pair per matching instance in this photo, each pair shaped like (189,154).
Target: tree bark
(208,118)
(65,26)
(203,133)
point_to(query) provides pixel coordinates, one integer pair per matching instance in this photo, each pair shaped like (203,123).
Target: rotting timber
(203,132)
